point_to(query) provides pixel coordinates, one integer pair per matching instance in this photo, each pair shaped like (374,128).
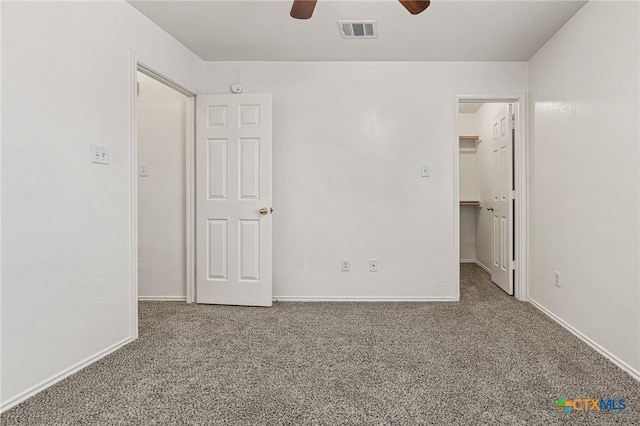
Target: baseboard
(361,299)
(62,375)
(477,262)
(602,351)
(483,267)
(162,298)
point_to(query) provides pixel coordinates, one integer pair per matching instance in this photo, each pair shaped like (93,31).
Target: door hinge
(513,265)
(512,194)
(513,124)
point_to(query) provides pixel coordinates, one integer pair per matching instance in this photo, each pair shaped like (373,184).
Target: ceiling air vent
(358,29)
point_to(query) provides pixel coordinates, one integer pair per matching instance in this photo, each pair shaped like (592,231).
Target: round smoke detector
(237,88)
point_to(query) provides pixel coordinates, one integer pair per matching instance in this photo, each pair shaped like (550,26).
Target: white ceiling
(449,30)
(469,107)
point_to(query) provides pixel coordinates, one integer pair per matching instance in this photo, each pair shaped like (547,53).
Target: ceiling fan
(303,9)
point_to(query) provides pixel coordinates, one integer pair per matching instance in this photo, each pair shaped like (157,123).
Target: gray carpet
(486,360)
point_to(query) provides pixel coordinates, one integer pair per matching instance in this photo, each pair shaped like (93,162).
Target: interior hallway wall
(585,177)
(161,124)
(348,142)
(66,223)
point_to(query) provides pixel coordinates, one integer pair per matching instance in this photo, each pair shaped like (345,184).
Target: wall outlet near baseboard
(373,265)
(557,279)
(346,265)
(99,154)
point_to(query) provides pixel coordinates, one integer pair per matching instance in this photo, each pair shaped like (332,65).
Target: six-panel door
(233,193)
(502,182)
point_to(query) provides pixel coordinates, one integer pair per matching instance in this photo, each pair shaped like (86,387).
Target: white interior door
(233,200)
(501,200)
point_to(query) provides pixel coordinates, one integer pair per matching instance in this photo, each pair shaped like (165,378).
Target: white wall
(467,124)
(467,233)
(161,128)
(468,189)
(467,164)
(585,179)
(484,173)
(66,237)
(348,142)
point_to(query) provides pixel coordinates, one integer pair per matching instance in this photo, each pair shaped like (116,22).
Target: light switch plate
(424,170)
(99,154)
(557,279)
(143,170)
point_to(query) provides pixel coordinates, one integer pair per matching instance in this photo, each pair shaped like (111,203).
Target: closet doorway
(487,137)
(162,122)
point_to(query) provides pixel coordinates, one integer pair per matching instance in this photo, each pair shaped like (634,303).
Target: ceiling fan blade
(415,6)
(302,9)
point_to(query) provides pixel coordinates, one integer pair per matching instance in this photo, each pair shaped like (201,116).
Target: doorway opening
(161,159)
(161,188)
(490,174)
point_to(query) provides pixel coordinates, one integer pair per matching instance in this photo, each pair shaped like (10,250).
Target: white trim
(477,262)
(1,221)
(602,351)
(361,299)
(62,375)
(133,196)
(521,216)
(150,70)
(456,202)
(190,210)
(162,298)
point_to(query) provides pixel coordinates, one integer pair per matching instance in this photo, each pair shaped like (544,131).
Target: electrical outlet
(557,279)
(99,154)
(346,265)
(373,265)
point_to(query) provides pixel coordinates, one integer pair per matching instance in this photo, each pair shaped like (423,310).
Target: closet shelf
(471,203)
(469,143)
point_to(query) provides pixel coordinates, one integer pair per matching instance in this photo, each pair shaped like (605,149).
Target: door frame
(138,64)
(521,174)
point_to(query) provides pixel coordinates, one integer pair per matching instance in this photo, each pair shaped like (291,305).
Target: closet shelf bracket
(469,143)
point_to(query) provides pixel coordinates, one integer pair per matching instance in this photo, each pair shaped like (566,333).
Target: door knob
(490,209)
(263,211)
